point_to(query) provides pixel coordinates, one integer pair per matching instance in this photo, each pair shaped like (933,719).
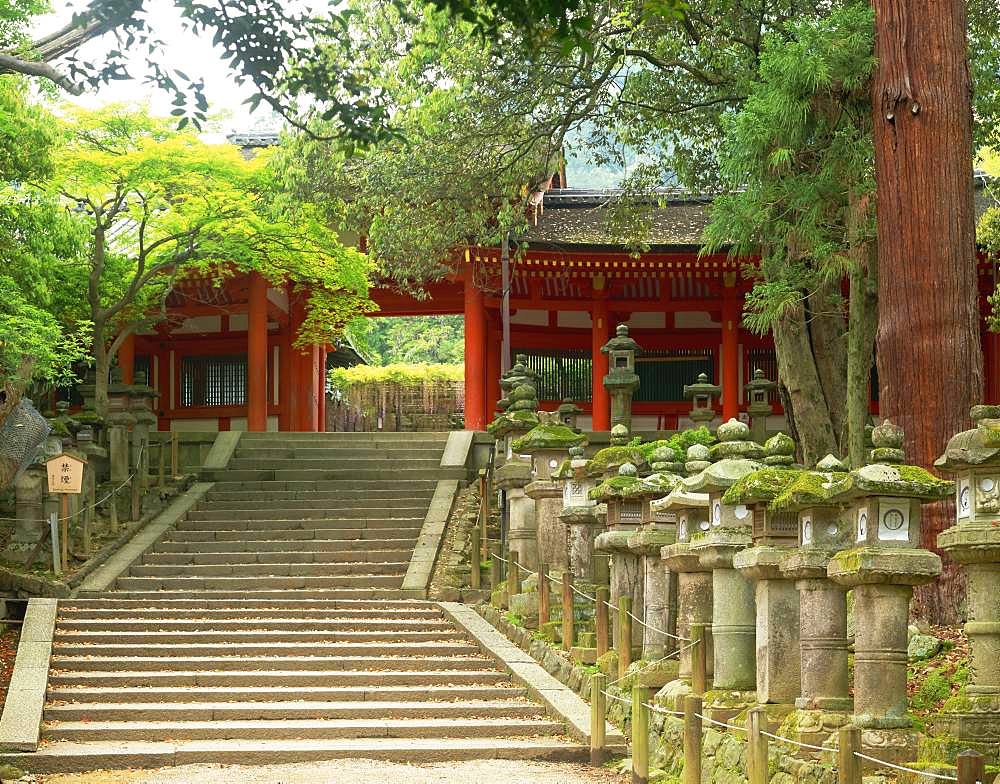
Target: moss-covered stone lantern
(884,501)
(777,600)
(548,444)
(624,496)
(824,702)
(730,529)
(579,516)
(656,531)
(694,581)
(759,390)
(515,473)
(120,421)
(973,457)
(621,380)
(569,414)
(141,397)
(701,393)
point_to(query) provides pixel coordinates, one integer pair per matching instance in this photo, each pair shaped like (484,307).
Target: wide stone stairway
(270,626)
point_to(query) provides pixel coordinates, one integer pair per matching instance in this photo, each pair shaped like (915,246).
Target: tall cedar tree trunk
(929,357)
(829,341)
(862,326)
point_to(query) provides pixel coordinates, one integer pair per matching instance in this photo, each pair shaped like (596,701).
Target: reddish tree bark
(929,358)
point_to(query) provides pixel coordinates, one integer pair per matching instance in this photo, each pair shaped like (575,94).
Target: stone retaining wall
(724,753)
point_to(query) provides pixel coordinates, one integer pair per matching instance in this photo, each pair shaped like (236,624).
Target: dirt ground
(351,772)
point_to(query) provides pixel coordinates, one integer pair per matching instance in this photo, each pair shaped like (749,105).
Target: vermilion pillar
(991,367)
(493,361)
(475,354)
(601,403)
(284,371)
(730,380)
(321,390)
(126,359)
(257,355)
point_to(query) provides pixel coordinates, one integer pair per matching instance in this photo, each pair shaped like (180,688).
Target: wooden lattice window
(214,381)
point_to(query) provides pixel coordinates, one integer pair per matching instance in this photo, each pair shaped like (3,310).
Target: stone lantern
(88,414)
(621,380)
(774,533)
(624,495)
(759,407)
(569,412)
(701,394)
(973,457)
(730,529)
(579,516)
(548,444)
(824,701)
(694,581)
(120,422)
(141,397)
(512,477)
(657,530)
(882,567)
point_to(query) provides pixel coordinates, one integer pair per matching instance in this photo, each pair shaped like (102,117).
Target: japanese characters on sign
(65,473)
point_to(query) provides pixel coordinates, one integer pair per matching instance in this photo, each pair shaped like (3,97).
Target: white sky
(190,53)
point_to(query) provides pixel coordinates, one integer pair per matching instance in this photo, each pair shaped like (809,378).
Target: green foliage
(345,379)
(412,340)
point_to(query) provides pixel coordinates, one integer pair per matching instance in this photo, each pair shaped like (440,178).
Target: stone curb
(561,701)
(104,577)
(222,450)
(21,723)
(457,449)
(417,581)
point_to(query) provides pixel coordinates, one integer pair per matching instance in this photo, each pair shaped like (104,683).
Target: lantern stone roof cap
(903,481)
(628,484)
(569,407)
(547,435)
(702,386)
(976,447)
(721,475)
(760,381)
(621,342)
(760,487)
(679,498)
(734,442)
(603,459)
(812,488)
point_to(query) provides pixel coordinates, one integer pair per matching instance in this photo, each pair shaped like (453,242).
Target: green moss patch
(547,436)
(761,486)
(811,488)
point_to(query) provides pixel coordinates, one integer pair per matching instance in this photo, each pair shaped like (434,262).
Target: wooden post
(624,634)
(543,595)
(640,736)
(757,751)
(692,739)
(598,717)
(475,559)
(699,658)
(495,565)
(568,634)
(114,513)
(602,626)
(484,510)
(162,479)
(135,496)
(513,576)
(64,530)
(848,765)
(971,767)
(174,454)
(86,518)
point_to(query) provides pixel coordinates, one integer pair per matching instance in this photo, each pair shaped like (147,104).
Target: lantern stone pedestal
(621,380)
(646,544)
(522,536)
(29,514)
(973,457)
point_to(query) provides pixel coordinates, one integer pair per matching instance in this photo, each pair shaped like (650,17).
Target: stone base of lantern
(582,527)
(898,746)
(583,655)
(815,727)
(775,714)
(725,704)
(626,578)
(970,722)
(672,695)
(549,527)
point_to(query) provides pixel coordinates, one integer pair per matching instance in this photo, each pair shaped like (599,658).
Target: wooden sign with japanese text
(65,473)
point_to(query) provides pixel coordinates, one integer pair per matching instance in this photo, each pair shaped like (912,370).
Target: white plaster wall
(238,322)
(201,324)
(534,318)
(651,320)
(574,319)
(694,319)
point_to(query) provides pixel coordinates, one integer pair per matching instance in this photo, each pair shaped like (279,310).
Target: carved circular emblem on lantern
(717,513)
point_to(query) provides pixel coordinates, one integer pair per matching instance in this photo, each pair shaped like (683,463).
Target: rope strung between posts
(94,505)
(798,743)
(904,769)
(524,569)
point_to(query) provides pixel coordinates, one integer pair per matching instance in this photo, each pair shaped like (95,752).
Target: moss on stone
(811,488)
(900,480)
(601,462)
(761,486)
(546,436)
(608,663)
(619,487)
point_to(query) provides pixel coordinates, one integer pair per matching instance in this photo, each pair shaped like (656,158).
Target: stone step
(320,511)
(244,505)
(264,595)
(271,520)
(183,648)
(256,583)
(348,474)
(330,664)
(265,729)
(353,484)
(255,637)
(269,678)
(184,622)
(317,452)
(263,695)
(289,557)
(239,607)
(210,710)
(374,437)
(287,533)
(326,544)
(66,757)
(356,464)
(346,494)
(269,569)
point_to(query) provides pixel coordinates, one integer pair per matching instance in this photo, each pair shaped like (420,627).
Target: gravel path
(352,771)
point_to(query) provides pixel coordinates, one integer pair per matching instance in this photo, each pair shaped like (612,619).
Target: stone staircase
(270,626)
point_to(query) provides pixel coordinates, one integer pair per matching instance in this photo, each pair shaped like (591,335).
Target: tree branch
(11,64)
